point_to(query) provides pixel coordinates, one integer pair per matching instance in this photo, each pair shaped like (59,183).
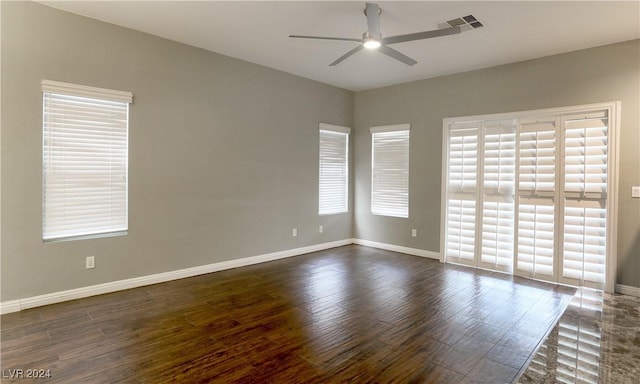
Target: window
(85,161)
(527,193)
(390,170)
(334,170)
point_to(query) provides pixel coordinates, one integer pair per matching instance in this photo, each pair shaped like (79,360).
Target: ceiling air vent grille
(465,23)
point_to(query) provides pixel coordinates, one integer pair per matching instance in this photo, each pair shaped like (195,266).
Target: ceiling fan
(372,39)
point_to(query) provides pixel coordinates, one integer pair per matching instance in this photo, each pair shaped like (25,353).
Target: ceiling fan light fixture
(371,44)
(371,41)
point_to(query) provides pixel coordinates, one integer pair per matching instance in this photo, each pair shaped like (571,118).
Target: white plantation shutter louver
(463,159)
(586,155)
(461,229)
(586,151)
(498,199)
(461,198)
(584,256)
(390,170)
(537,156)
(536,187)
(536,237)
(85,161)
(334,170)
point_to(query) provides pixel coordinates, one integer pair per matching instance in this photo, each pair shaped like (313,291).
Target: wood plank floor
(348,314)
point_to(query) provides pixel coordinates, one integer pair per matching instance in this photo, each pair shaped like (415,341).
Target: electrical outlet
(294,232)
(635,191)
(320,228)
(90,262)
(414,233)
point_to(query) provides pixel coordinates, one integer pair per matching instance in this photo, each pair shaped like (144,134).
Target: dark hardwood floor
(348,314)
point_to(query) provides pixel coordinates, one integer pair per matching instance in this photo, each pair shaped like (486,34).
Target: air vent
(465,23)
(469,19)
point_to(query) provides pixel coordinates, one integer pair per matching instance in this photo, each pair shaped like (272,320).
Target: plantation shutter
(527,193)
(334,170)
(537,156)
(536,228)
(85,135)
(536,190)
(461,229)
(390,170)
(584,256)
(498,197)
(461,194)
(586,155)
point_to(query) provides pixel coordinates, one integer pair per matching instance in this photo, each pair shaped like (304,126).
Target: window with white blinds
(390,170)
(85,161)
(528,192)
(334,169)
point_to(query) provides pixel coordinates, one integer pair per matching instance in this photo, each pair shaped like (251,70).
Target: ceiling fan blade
(396,55)
(346,55)
(372,11)
(420,35)
(324,38)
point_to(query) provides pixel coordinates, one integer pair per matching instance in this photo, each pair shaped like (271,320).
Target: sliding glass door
(529,193)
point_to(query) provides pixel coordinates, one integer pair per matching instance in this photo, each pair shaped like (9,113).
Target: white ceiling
(258,32)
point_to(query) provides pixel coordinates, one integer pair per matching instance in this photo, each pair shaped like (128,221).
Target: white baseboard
(78,293)
(398,248)
(628,290)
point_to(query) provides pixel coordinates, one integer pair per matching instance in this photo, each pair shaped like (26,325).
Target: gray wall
(608,73)
(223,153)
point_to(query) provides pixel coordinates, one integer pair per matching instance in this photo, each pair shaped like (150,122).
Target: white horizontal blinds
(586,154)
(537,151)
(498,200)
(390,171)
(84,161)
(536,237)
(334,170)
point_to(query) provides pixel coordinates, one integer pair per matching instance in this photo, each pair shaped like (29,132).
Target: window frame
(86,100)
(345,132)
(381,209)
